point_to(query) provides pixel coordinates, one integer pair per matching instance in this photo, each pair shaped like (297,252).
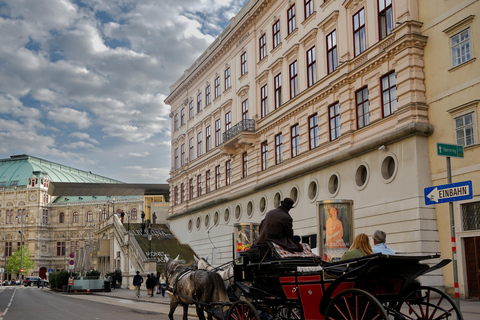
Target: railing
(244,125)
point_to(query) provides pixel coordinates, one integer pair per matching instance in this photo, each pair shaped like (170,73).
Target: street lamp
(113,203)
(150,246)
(4,275)
(21,244)
(128,220)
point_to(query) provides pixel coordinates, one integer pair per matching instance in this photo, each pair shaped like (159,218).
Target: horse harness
(174,290)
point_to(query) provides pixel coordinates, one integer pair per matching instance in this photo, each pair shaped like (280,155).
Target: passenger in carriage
(359,248)
(278,227)
(379,239)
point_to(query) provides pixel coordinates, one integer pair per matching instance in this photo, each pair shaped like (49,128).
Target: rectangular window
(311,67)
(389,94)
(385,21)
(182,193)
(182,155)
(227,78)
(60,248)
(199,185)
(182,117)
(461,47)
(263,101)
(295,140)
(8,249)
(190,189)
(465,130)
(245,109)
(228,172)
(175,196)
(313,131)
(363,108)
(471,217)
(244,165)
(190,110)
(334,117)
(199,102)
(207,182)
(359,41)
(291,19)
(278,90)
(175,121)
(89,216)
(332,51)
(293,79)
(176,159)
(243,63)
(228,121)
(217,133)
(199,144)
(278,148)
(264,155)
(262,44)
(217,87)
(45,216)
(207,95)
(208,139)
(308,8)
(276,33)
(190,150)
(217,177)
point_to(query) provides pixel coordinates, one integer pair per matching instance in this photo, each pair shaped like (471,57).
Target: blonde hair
(362,242)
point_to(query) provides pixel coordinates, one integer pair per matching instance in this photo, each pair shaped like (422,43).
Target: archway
(42,273)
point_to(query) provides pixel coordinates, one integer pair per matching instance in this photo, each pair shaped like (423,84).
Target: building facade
(452,90)
(313,100)
(55,227)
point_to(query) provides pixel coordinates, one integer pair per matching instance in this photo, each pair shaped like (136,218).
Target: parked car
(29,281)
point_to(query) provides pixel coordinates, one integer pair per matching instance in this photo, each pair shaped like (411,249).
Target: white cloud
(68,115)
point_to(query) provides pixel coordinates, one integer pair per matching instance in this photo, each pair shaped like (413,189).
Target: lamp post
(4,275)
(128,221)
(22,215)
(150,246)
(113,204)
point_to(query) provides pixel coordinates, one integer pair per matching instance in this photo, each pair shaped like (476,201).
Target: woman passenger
(359,248)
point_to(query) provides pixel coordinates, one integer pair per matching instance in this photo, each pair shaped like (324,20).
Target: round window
(226,215)
(333,185)
(238,212)
(361,176)
(250,208)
(190,225)
(389,168)
(312,190)
(263,204)
(294,194)
(215,218)
(207,220)
(277,199)
(199,222)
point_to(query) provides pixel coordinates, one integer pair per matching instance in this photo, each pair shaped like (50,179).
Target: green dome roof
(18,169)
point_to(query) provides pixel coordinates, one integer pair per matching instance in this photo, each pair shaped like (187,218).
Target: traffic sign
(72,255)
(449,192)
(449,150)
(50,270)
(72,262)
(21,270)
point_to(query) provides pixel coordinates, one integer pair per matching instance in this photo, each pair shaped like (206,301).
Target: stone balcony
(239,137)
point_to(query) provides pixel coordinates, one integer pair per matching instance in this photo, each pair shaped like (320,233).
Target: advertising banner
(336,228)
(245,234)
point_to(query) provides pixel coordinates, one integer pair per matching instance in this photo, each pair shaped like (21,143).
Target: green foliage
(14,262)
(93,273)
(58,279)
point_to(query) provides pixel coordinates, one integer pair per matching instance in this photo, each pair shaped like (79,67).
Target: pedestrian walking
(137,282)
(122,216)
(143,228)
(149,228)
(157,282)
(150,284)
(114,281)
(163,283)
(143,216)
(154,219)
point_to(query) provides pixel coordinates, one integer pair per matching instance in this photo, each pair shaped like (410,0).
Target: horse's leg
(185,311)
(173,307)
(200,313)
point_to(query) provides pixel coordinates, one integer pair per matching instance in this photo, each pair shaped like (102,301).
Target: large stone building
(452,82)
(54,227)
(320,101)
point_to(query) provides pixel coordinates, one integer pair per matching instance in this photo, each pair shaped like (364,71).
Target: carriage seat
(282,253)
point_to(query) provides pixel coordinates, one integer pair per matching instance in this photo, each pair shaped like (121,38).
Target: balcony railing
(244,125)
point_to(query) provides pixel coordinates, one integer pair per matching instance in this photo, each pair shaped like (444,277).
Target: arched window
(75,217)
(9,216)
(134,214)
(89,216)
(61,217)
(104,214)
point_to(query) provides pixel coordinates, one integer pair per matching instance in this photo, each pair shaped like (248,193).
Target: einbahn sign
(448,192)
(449,150)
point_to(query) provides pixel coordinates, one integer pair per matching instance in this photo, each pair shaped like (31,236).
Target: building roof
(19,168)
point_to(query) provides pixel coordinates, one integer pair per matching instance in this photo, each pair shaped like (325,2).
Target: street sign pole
(454,241)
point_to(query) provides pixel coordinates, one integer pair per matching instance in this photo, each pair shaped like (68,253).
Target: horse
(226,274)
(193,287)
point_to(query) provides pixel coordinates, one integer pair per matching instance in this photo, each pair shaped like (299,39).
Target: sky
(83,82)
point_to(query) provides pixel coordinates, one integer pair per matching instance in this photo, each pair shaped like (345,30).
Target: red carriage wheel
(242,310)
(428,303)
(355,304)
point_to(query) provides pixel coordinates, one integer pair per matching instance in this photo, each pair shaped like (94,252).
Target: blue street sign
(50,270)
(448,192)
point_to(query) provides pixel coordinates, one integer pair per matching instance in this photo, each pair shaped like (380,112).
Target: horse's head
(202,263)
(170,266)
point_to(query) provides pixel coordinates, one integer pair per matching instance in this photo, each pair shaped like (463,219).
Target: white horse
(226,274)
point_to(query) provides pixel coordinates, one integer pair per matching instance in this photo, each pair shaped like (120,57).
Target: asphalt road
(32,303)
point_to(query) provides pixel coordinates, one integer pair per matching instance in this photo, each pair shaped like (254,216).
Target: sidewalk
(469,308)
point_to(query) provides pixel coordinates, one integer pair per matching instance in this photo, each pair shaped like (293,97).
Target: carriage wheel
(242,310)
(355,304)
(429,303)
(290,313)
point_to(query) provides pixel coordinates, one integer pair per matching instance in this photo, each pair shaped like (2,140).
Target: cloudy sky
(83,82)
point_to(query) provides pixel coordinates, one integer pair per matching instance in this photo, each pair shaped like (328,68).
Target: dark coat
(137,280)
(150,284)
(278,227)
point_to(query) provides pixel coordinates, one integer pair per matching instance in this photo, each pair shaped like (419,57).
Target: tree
(14,262)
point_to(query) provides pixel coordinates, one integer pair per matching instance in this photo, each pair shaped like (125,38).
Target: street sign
(21,270)
(72,255)
(449,150)
(50,270)
(72,262)
(449,192)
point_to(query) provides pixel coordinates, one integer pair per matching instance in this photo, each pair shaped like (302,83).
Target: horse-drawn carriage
(370,287)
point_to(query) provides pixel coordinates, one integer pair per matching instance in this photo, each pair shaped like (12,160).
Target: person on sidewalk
(154,219)
(137,282)
(122,216)
(150,284)
(143,228)
(157,283)
(163,283)
(379,239)
(114,281)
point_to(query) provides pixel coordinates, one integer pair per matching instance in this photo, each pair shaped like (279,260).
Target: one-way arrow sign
(448,192)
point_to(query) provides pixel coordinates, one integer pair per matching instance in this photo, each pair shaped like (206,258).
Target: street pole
(150,246)
(128,223)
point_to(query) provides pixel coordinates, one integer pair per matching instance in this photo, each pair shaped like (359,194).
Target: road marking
(8,306)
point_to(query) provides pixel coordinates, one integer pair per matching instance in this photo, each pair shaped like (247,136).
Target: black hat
(287,203)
